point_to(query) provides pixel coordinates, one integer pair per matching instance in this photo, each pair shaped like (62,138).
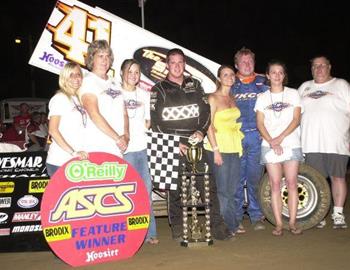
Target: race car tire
(314,198)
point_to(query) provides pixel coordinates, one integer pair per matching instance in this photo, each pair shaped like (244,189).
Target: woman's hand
(82,155)
(278,150)
(218,158)
(122,143)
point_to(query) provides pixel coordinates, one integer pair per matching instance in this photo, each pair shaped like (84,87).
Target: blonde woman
(66,120)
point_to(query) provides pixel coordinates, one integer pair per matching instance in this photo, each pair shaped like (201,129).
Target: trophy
(193,234)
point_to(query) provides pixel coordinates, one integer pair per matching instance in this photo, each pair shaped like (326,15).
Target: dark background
(293,31)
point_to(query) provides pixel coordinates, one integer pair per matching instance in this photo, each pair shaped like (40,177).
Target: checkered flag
(163,159)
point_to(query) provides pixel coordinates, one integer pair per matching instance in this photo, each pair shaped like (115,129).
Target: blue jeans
(51,169)
(227,180)
(251,171)
(139,161)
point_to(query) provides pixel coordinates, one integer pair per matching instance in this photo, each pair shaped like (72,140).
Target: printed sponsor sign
(3,217)
(37,186)
(95,210)
(4,231)
(26,216)
(7,187)
(22,184)
(27,228)
(5,202)
(27,201)
(73,25)
(22,164)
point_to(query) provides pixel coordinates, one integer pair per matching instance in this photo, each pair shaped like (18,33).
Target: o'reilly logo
(5,202)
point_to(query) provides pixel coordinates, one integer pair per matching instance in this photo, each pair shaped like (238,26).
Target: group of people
(29,129)
(250,122)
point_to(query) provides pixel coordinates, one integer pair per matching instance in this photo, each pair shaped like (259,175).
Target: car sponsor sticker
(37,186)
(26,216)
(7,187)
(27,201)
(5,202)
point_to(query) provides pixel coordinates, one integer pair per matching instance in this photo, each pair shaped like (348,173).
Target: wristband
(216,148)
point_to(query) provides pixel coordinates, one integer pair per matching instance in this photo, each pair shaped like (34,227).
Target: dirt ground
(315,249)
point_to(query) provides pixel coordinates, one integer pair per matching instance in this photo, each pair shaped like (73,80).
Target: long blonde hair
(64,77)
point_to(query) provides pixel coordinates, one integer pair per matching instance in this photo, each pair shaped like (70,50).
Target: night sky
(292,31)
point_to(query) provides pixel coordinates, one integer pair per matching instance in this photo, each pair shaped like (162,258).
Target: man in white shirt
(325,131)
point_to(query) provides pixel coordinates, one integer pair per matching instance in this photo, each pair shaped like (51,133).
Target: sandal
(295,231)
(277,231)
(152,241)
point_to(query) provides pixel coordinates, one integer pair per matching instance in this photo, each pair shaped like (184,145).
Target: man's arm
(156,108)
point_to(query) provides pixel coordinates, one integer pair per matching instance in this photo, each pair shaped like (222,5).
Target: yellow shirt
(228,134)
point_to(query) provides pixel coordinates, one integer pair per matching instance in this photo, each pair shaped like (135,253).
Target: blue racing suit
(246,91)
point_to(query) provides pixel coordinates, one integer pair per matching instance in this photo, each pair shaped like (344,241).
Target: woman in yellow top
(225,144)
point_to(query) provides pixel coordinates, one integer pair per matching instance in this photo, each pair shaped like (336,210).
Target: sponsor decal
(138,222)
(4,231)
(19,163)
(5,202)
(27,228)
(28,164)
(57,233)
(26,216)
(153,66)
(95,210)
(7,187)
(27,201)
(37,186)
(3,218)
(70,33)
(52,60)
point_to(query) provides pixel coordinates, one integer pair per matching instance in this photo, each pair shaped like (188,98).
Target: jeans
(227,180)
(139,161)
(51,169)
(251,171)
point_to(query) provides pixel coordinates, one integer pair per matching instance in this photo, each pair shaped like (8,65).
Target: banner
(73,25)
(95,210)
(23,180)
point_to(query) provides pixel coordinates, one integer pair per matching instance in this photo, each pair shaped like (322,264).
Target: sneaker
(321,225)
(339,221)
(259,225)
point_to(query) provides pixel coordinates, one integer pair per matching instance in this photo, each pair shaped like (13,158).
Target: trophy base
(196,243)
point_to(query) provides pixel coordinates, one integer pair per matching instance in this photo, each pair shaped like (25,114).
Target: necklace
(80,109)
(277,106)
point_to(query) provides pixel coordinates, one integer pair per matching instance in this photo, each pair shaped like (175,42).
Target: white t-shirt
(111,107)
(71,126)
(325,122)
(138,105)
(278,109)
